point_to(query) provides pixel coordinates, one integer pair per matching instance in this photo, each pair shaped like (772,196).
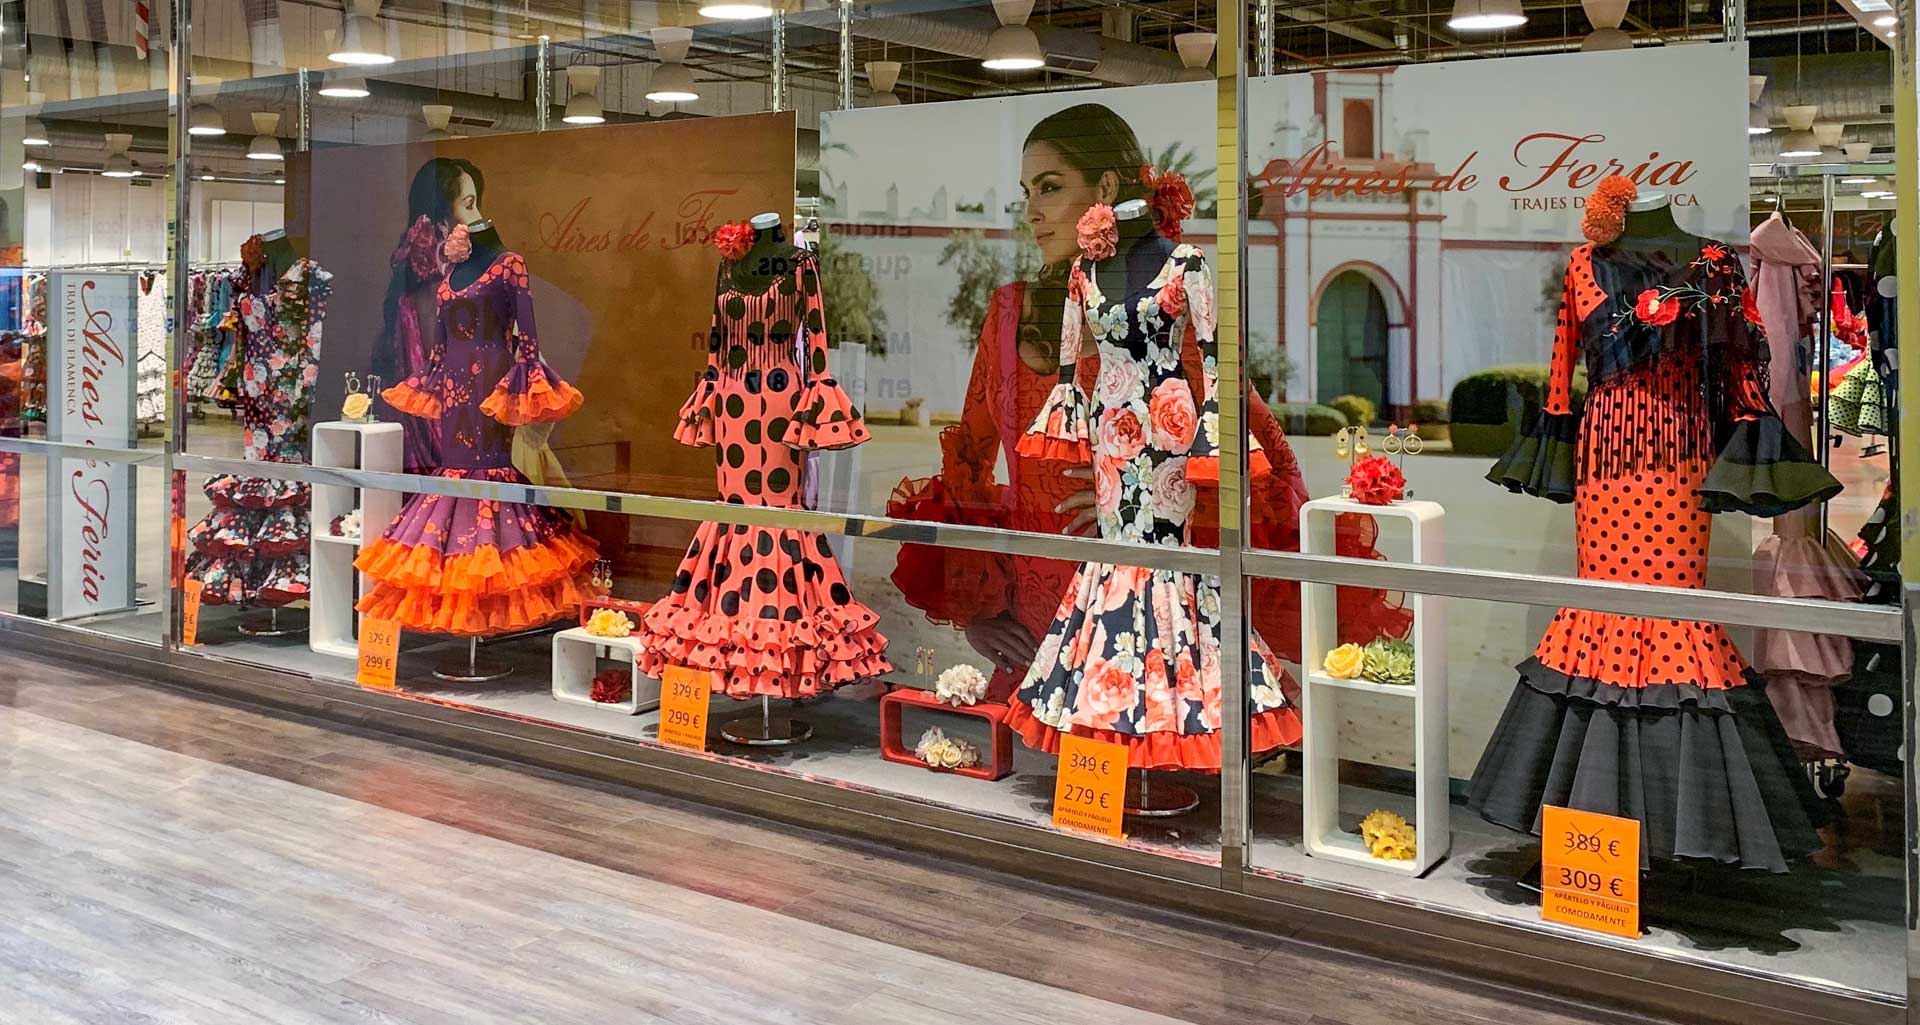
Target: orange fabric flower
(733,240)
(1652,309)
(1606,209)
(1099,234)
(1170,199)
(1376,481)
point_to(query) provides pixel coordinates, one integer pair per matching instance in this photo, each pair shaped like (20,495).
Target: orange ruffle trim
(755,657)
(542,403)
(1206,469)
(1639,651)
(1196,752)
(412,401)
(476,594)
(1039,446)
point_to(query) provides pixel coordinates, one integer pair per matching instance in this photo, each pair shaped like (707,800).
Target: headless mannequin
(280,254)
(1142,251)
(486,247)
(1651,228)
(772,256)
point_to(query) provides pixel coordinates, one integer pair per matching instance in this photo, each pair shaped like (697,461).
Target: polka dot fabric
(766,610)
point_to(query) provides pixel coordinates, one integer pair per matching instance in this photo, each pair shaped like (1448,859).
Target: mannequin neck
(771,256)
(486,245)
(1650,225)
(280,254)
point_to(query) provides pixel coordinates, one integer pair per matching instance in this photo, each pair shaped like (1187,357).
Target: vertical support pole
(779,61)
(303,118)
(180,232)
(1906,228)
(846,54)
(1733,13)
(1823,437)
(1230,119)
(542,82)
(1263,21)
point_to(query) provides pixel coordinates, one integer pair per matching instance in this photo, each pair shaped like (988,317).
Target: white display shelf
(333,625)
(576,658)
(1320,748)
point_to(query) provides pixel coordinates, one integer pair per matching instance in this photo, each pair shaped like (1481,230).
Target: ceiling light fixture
(1886,19)
(118,164)
(265,145)
(1013,46)
(882,76)
(205,121)
(1606,16)
(35,134)
(1486,15)
(345,88)
(1196,49)
(1756,84)
(672,80)
(30,165)
(1757,123)
(363,38)
(437,116)
(735,10)
(583,96)
(1800,117)
(1799,145)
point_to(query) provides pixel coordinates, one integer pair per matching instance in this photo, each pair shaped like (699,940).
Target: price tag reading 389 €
(1092,785)
(1590,871)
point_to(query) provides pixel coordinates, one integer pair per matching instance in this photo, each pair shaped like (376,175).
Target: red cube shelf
(893,749)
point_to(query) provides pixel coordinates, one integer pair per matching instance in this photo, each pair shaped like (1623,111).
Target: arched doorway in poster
(1351,325)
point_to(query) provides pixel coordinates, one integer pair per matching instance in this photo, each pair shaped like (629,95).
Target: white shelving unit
(576,657)
(1319,634)
(333,626)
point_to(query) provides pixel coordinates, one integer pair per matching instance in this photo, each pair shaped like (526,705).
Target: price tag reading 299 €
(1092,785)
(1590,871)
(683,707)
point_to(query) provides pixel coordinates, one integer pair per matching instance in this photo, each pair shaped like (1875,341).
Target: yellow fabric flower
(1388,836)
(609,623)
(1345,661)
(356,406)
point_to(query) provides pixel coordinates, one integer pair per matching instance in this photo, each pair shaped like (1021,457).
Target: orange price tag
(1092,786)
(683,707)
(379,653)
(190,612)
(1590,871)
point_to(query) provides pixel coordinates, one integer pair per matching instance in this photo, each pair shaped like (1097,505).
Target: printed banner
(90,385)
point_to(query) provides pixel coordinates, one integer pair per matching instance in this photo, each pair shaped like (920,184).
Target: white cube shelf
(1320,748)
(333,625)
(576,658)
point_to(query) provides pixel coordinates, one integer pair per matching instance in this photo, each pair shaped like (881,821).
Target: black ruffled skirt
(1709,774)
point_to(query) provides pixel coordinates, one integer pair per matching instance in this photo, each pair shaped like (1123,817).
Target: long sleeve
(1059,431)
(1541,461)
(1200,354)
(530,393)
(823,416)
(697,414)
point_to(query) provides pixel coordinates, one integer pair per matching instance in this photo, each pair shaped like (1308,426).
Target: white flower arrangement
(940,751)
(350,524)
(960,685)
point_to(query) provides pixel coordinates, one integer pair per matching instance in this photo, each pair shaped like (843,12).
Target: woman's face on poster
(466,201)
(1057,194)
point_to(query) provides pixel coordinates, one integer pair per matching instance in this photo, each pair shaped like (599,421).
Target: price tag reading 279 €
(1092,785)
(1590,871)
(683,707)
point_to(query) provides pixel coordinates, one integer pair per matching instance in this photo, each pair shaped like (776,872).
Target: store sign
(1091,790)
(90,389)
(379,653)
(1590,871)
(683,707)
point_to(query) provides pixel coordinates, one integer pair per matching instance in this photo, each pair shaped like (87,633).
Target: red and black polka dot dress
(1638,716)
(767,611)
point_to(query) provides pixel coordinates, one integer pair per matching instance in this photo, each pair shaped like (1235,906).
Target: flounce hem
(1059,431)
(1194,752)
(1763,470)
(824,419)
(416,396)
(1542,460)
(1656,697)
(254,492)
(953,586)
(1632,652)
(697,416)
(753,657)
(484,572)
(1206,469)
(465,614)
(530,394)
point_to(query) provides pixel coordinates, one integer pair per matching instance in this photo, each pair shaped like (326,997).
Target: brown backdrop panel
(615,223)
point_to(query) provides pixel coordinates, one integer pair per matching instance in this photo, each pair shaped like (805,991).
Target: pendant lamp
(1195,49)
(881,77)
(118,164)
(363,40)
(583,96)
(1013,46)
(672,80)
(1486,15)
(265,145)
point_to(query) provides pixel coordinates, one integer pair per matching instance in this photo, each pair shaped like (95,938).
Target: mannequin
(486,247)
(280,254)
(1650,226)
(771,257)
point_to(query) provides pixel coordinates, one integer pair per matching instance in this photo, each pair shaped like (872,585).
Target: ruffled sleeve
(530,393)
(823,416)
(1541,462)
(1059,432)
(1192,282)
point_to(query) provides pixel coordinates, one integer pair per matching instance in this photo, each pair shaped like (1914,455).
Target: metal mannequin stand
(766,731)
(472,669)
(1168,799)
(271,626)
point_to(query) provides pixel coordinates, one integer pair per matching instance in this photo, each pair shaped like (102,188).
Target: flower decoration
(960,685)
(1170,199)
(356,406)
(1750,307)
(419,249)
(458,246)
(940,751)
(1389,661)
(1172,298)
(1374,480)
(1656,308)
(1099,233)
(1710,254)
(253,254)
(733,240)
(611,686)
(347,525)
(1606,210)
(1389,837)
(1345,662)
(609,623)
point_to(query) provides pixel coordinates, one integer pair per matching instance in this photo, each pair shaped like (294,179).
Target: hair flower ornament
(611,686)
(458,246)
(1345,662)
(1389,837)
(960,685)
(733,240)
(940,751)
(1606,209)
(1170,198)
(1099,233)
(609,623)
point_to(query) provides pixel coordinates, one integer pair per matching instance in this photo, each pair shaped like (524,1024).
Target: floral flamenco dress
(1659,720)
(467,566)
(1133,654)
(765,610)
(252,549)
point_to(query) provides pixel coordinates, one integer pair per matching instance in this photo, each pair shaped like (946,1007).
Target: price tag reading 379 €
(683,707)
(1092,785)
(1590,871)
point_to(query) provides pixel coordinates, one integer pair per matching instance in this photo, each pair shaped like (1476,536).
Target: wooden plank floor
(165,858)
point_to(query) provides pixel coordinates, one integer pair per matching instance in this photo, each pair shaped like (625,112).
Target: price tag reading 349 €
(683,707)
(379,653)
(1092,786)
(1590,871)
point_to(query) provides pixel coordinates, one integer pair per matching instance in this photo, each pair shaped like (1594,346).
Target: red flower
(1170,199)
(1376,481)
(1712,254)
(733,240)
(1654,310)
(611,687)
(1172,298)
(1098,234)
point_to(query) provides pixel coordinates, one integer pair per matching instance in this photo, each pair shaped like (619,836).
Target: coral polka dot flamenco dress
(765,610)
(1660,720)
(479,567)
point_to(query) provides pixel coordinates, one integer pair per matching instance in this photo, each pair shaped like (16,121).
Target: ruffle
(1806,710)
(472,615)
(254,492)
(1206,469)
(1653,697)
(485,571)
(249,580)
(697,416)
(1634,652)
(239,533)
(1541,461)
(953,586)
(1802,567)
(824,418)
(422,395)
(1194,752)
(1059,431)
(1763,470)
(754,657)
(531,394)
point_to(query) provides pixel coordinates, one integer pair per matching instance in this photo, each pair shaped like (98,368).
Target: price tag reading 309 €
(1092,786)
(1590,871)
